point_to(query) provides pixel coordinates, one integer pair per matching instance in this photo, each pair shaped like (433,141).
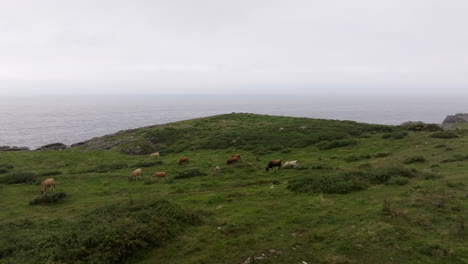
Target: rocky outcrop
(451,120)
(14,148)
(53,146)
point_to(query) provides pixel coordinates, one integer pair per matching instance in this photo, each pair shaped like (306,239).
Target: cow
(183,160)
(46,184)
(216,169)
(154,155)
(160,174)
(418,128)
(135,174)
(194,148)
(292,163)
(232,160)
(273,163)
(236,156)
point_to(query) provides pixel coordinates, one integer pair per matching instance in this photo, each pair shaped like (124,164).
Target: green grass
(241,211)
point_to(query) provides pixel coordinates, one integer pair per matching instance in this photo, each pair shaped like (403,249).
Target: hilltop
(362,193)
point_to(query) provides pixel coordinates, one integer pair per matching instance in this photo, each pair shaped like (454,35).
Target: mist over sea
(38,120)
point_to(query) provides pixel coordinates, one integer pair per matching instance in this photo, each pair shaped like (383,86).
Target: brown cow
(183,160)
(46,184)
(236,156)
(160,174)
(232,160)
(273,163)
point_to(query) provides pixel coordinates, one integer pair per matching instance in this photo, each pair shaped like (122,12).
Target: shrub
(440,146)
(335,144)
(19,177)
(456,157)
(147,163)
(48,198)
(189,174)
(5,167)
(50,173)
(397,181)
(382,155)
(444,134)
(354,158)
(349,181)
(109,234)
(414,159)
(395,135)
(102,168)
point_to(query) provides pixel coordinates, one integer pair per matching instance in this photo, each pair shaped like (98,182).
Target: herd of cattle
(185,160)
(50,183)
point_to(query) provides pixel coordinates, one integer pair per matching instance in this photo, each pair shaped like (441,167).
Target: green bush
(5,167)
(50,173)
(354,158)
(395,135)
(440,146)
(414,159)
(349,181)
(397,181)
(456,157)
(143,164)
(109,234)
(444,134)
(382,155)
(336,144)
(189,174)
(48,198)
(19,177)
(103,168)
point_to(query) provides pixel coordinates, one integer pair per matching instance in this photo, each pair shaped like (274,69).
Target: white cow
(292,163)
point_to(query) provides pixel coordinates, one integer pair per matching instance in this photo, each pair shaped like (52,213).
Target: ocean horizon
(33,121)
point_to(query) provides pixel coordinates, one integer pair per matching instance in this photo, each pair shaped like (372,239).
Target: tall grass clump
(190,173)
(346,182)
(444,134)
(148,163)
(395,135)
(456,157)
(335,144)
(414,159)
(5,167)
(50,173)
(103,168)
(109,234)
(19,177)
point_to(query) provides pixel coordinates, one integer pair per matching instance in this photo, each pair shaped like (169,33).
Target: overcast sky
(238,46)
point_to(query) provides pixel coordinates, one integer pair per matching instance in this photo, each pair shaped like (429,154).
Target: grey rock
(53,146)
(14,148)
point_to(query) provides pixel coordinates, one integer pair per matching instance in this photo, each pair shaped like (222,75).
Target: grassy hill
(362,194)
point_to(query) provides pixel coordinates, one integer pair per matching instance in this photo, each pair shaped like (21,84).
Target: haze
(211,46)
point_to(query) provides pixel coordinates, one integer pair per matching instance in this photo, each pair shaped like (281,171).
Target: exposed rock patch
(53,146)
(451,120)
(14,148)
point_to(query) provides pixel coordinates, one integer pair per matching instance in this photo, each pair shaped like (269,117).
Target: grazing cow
(293,163)
(194,148)
(135,174)
(273,163)
(160,174)
(183,160)
(154,155)
(232,160)
(216,168)
(46,184)
(418,128)
(236,156)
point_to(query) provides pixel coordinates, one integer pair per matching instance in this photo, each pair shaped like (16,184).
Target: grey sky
(215,46)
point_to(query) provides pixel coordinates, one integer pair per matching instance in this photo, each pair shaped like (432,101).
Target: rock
(53,146)
(14,148)
(77,144)
(451,120)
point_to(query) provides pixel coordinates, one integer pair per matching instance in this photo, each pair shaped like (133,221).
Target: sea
(33,121)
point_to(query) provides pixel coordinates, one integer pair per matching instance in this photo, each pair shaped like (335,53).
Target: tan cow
(236,156)
(154,155)
(273,163)
(160,174)
(183,160)
(135,174)
(46,184)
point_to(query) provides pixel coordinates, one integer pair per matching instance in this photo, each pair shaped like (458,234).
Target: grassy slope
(250,212)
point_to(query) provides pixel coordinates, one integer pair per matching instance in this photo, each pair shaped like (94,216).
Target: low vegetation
(350,199)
